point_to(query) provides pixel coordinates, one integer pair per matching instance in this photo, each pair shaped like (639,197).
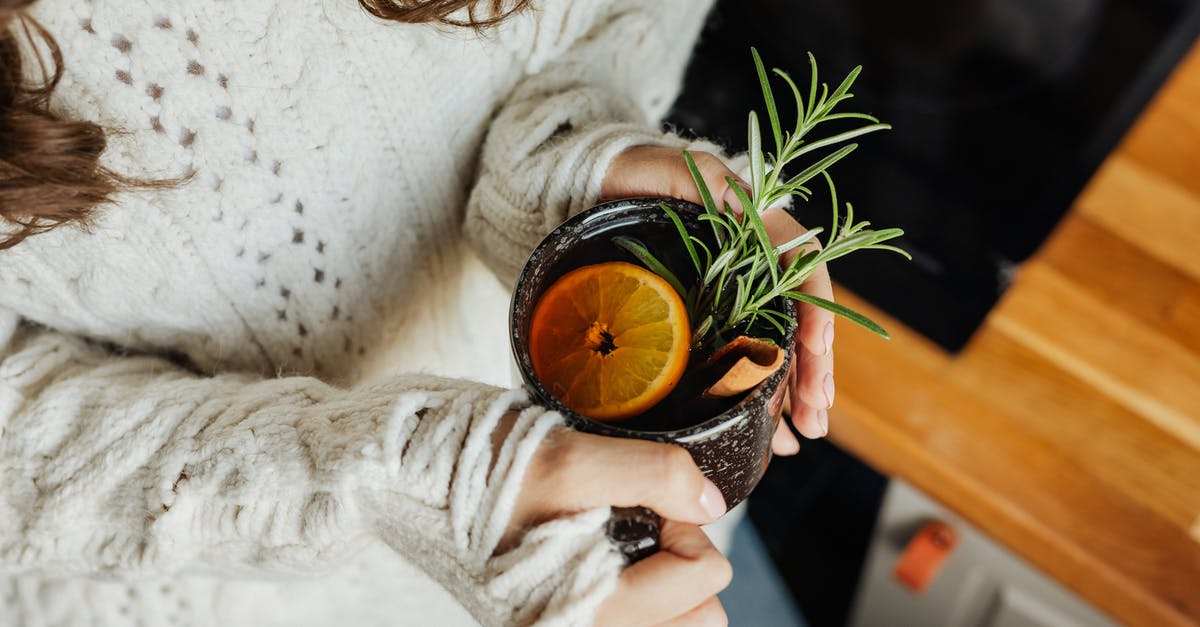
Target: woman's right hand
(573,472)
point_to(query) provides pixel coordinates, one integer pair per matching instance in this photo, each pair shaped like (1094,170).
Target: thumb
(585,471)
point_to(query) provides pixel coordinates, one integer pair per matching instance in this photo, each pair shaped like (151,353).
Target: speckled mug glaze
(731,448)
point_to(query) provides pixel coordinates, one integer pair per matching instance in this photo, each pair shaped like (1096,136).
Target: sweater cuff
(609,142)
(512,210)
(561,570)
(559,575)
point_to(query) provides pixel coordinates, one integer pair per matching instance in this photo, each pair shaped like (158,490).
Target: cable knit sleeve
(130,465)
(550,144)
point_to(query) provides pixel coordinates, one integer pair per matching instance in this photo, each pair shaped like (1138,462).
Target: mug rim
(701,431)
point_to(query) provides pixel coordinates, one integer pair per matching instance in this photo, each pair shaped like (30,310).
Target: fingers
(811,423)
(783,442)
(812,386)
(814,383)
(816,324)
(662,171)
(716,176)
(810,405)
(814,379)
(677,582)
(578,471)
(708,614)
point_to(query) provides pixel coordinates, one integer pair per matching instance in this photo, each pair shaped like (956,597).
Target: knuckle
(717,570)
(711,571)
(676,467)
(709,164)
(674,479)
(682,186)
(713,615)
(714,161)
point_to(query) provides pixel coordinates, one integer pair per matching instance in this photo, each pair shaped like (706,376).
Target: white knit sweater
(207,414)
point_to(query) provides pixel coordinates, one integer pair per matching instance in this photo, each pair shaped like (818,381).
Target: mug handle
(635,532)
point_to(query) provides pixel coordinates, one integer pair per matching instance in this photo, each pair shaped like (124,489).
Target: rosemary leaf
(739,302)
(708,258)
(718,265)
(900,251)
(639,250)
(833,229)
(767,315)
(769,98)
(687,237)
(702,330)
(822,165)
(849,116)
(796,95)
(799,241)
(812,90)
(705,196)
(758,170)
(842,311)
(842,92)
(841,137)
(760,230)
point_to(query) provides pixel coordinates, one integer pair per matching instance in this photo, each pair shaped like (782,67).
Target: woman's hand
(811,374)
(676,586)
(660,171)
(575,471)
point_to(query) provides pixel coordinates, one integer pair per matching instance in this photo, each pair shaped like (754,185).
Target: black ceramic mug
(733,447)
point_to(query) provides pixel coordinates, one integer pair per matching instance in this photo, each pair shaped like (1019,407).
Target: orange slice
(609,340)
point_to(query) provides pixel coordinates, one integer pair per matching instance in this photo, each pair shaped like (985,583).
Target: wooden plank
(1183,316)
(1148,210)
(1096,341)
(1123,452)
(1166,138)
(1158,295)
(909,419)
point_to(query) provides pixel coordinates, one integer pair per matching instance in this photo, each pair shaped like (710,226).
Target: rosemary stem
(738,294)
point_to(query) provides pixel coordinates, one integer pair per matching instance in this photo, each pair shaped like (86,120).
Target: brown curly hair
(440,11)
(50,171)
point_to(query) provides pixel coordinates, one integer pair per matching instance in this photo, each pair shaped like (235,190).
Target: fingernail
(828,385)
(823,420)
(828,337)
(711,500)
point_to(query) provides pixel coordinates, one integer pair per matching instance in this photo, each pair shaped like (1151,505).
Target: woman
(189,313)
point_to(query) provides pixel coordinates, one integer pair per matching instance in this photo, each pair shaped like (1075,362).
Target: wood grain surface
(1069,428)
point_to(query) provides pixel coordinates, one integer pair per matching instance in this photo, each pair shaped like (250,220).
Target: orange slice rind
(609,340)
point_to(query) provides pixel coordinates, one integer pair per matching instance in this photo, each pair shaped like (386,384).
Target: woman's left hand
(661,171)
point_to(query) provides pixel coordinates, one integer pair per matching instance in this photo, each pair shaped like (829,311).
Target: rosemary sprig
(739,281)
